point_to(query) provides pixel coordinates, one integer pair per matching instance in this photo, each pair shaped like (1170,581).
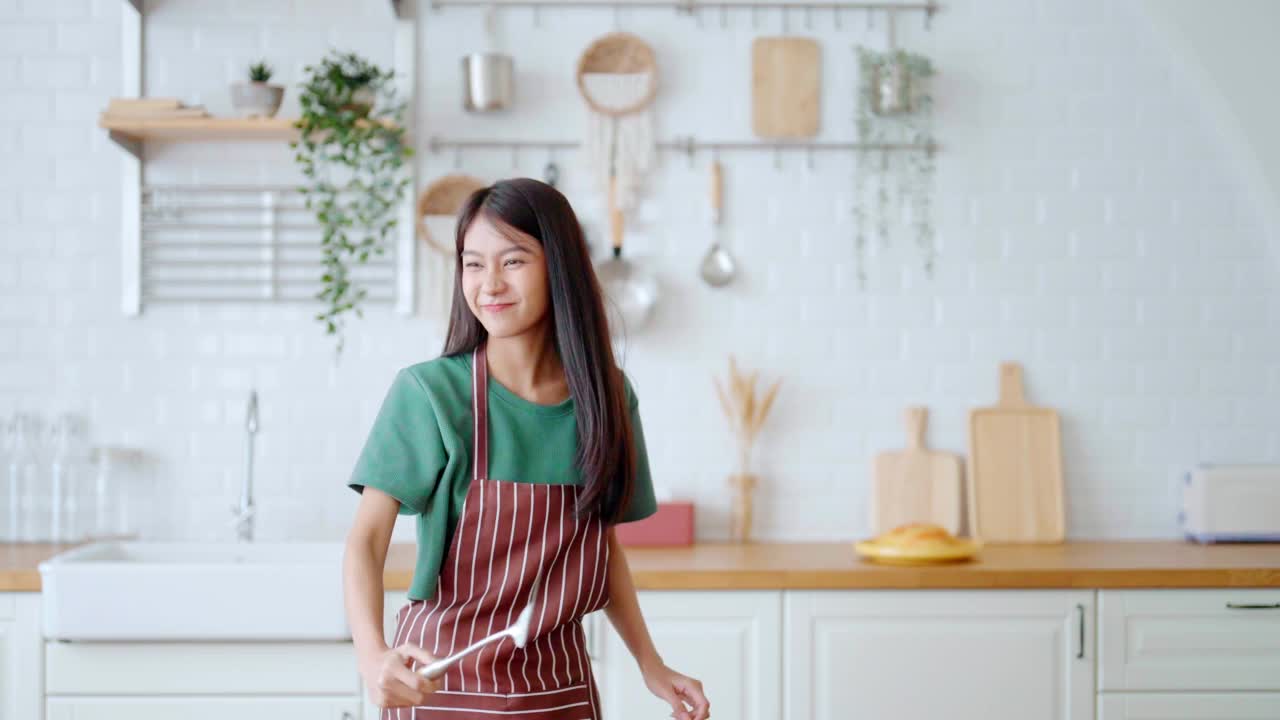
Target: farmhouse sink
(194,591)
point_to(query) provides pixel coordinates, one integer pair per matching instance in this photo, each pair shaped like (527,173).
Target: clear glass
(66,499)
(113,489)
(23,479)
(8,488)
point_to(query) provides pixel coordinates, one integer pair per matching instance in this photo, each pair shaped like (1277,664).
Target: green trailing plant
(351,148)
(911,171)
(260,72)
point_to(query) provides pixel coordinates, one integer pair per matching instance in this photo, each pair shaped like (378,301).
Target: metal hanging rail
(687,146)
(692,6)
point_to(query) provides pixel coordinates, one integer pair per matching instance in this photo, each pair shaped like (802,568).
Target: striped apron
(510,533)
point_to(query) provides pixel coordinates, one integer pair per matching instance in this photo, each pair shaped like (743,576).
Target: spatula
(518,631)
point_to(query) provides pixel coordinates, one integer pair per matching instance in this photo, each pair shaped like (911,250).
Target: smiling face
(504,278)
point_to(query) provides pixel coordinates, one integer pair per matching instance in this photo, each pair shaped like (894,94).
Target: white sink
(195,591)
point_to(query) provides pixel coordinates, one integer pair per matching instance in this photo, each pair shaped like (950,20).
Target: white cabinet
(1189,706)
(203,708)
(21,682)
(730,640)
(199,668)
(921,655)
(1189,654)
(244,680)
(1189,640)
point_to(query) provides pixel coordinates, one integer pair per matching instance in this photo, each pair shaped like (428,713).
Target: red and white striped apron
(510,533)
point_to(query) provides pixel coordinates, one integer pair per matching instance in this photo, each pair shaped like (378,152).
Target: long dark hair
(606,455)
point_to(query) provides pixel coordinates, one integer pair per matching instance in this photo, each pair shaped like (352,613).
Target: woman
(507,493)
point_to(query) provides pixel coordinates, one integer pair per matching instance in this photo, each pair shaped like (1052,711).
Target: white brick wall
(1089,225)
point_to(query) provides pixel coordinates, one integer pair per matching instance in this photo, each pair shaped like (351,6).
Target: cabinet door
(922,655)
(1189,706)
(730,640)
(232,669)
(204,708)
(1185,640)
(21,650)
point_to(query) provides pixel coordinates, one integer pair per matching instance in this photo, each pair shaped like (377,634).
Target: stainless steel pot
(488,82)
(891,91)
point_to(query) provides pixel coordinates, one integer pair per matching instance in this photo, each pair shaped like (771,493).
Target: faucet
(244,512)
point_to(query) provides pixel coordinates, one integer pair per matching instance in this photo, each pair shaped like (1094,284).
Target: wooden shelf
(204,128)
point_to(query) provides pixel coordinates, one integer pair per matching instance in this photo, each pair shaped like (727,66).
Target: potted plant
(257,98)
(351,149)
(895,106)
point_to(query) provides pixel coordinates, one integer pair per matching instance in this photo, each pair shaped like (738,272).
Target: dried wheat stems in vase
(746,413)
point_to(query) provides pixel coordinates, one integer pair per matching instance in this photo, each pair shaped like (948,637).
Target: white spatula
(518,631)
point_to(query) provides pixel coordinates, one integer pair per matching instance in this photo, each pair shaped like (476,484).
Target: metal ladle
(718,266)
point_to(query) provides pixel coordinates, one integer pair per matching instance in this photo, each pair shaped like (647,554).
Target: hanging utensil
(517,631)
(551,173)
(718,266)
(786,87)
(488,78)
(631,292)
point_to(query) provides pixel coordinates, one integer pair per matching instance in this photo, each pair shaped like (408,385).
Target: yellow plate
(963,549)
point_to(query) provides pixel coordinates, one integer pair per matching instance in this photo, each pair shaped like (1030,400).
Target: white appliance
(1232,503)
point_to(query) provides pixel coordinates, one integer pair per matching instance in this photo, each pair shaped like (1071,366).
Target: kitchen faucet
(244,512)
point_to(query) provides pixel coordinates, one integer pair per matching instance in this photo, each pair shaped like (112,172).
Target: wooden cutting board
(786,75)
(916,484)
(1015,468)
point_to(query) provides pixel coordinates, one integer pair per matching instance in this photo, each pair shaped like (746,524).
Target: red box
(671,525)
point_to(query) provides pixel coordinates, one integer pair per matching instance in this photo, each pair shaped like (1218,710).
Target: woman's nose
(493,280)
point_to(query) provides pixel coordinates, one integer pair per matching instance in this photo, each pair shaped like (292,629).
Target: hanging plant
(351,148)
(895,107)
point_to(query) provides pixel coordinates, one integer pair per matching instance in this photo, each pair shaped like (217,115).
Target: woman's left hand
(681,692)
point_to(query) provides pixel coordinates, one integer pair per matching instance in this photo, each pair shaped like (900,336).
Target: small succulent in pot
(257,98)
(260,72)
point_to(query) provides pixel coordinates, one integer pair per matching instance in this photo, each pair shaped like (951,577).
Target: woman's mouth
(496,307)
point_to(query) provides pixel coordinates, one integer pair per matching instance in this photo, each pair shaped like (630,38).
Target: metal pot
(487,82)
(891,91)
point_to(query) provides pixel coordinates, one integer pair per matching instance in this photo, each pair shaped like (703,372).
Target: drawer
(1189,640)
(203,708)
(1188,706)
(101,668)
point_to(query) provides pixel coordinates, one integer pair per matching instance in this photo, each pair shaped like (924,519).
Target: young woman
(518,450)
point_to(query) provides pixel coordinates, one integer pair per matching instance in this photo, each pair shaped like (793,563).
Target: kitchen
(1073,226)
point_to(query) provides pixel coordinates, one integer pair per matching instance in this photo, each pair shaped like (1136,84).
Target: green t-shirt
(419,452)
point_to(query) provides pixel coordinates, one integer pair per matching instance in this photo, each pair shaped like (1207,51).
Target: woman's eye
(471,265)
(514,262)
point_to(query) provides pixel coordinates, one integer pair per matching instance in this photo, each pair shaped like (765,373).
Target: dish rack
(230,243)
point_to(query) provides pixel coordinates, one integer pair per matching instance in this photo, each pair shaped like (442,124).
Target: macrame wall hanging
(618,78)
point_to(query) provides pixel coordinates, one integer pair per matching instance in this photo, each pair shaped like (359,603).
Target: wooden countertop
(18,565)
(771,566)
(1101,564)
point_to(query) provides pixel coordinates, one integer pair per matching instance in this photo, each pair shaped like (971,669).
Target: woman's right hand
(392,683)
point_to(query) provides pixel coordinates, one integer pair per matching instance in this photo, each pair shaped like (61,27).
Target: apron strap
(480,413)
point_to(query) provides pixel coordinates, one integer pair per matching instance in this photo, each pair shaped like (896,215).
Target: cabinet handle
(1253,606)
(1080,629)
(346,715)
